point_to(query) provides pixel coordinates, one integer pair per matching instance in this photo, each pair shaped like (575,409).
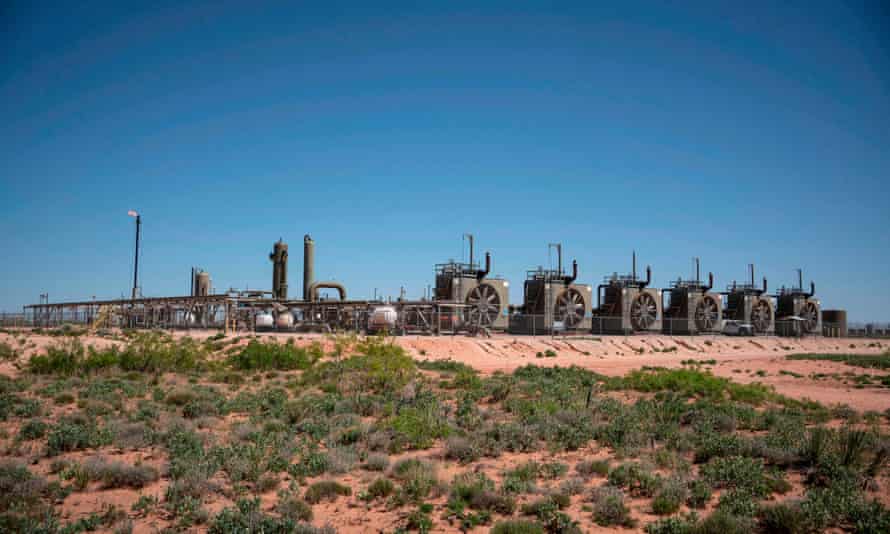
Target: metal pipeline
(482,273)
(315,286)
(648,277)
(764,284)
(308,265)
(812,289)
(569,279)
(599,293)
(710,283)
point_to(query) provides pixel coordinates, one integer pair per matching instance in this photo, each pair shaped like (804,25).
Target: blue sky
(737,132)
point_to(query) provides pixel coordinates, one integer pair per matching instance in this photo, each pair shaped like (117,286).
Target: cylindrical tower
(202,283)
(308,265)
(279,270)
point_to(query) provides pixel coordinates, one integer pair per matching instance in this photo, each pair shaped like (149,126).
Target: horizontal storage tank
(284,321)
(382,318)
(264,321)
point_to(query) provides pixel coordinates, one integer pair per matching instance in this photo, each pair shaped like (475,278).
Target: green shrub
(377,462)
(75,433)
(871,361)
(293,508)
(589,468)
(263,356)
(325,490)
(522,478)
(7,353)
(540,507)
(700,492)
(418,478)
(118,474)
(33,429)
(670,497)
(638,480)
(517,526)
(247,517)
(736,472)
(783,518)
(380,488)
(609,508)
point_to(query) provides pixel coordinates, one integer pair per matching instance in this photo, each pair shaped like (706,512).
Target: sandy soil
(738,358)
(741,359)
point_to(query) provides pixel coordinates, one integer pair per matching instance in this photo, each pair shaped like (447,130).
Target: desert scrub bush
(870,361)
(418,425)
(33,429)
(670,497)
(515,437)
(156,352)
(263,356)
(70,357)
(461,449)
(379,366)
(342,459)
(476,491)
(521,479)
(636,478)
(572,486)
(693,383)
(377,462)
(737,472)
(291,507)
(543,506)
(786,517)
(119,474)
(325,490)
(247,517)
(418,477)
(380,488)
(609,508)
(7,352)
(517,526)
(76,433)
(700,492)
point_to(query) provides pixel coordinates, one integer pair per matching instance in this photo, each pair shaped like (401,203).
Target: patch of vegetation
(869,361)
(326,490)
(263,356)
(609,508)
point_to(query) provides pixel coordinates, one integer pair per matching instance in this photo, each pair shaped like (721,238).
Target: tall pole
(136,263)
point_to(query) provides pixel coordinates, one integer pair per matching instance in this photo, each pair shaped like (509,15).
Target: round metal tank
(264,321)
(382,318)
(284,321)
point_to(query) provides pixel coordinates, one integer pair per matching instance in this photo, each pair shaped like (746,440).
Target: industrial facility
(466,299)
(625,304)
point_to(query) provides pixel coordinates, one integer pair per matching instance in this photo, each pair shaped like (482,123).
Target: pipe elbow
(569,279)
(484,272)
(314,287)
(710,282)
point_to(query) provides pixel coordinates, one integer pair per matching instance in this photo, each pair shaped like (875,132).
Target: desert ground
(270,432)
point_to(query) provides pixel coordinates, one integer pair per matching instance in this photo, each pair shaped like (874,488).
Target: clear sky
(735,131)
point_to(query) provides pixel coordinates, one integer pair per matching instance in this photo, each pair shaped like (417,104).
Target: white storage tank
(264,321)
(382,318)
(284,321)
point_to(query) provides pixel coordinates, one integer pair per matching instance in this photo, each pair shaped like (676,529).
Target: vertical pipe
(751,268)
(136,263)
(634,265)
(697,270)
(308,264)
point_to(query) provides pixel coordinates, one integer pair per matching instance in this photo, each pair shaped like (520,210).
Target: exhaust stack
(308,266)
(279,270)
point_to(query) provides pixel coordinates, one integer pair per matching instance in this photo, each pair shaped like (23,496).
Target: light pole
(133,213)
